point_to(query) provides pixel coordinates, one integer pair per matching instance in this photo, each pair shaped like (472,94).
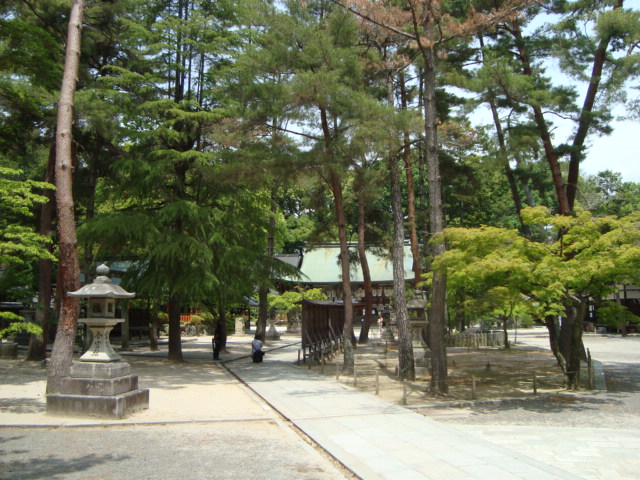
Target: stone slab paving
(378,440)
(599,454)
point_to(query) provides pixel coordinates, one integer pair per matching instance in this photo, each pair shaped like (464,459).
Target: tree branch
(373,20)
(293,132)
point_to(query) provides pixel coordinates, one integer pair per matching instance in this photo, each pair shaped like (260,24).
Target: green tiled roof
(320,266)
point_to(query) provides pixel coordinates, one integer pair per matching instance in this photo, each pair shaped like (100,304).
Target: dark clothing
(257,356)
(218,337)
(217,346)
(256,351)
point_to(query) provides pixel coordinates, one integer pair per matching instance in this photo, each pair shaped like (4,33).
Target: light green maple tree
(582,259)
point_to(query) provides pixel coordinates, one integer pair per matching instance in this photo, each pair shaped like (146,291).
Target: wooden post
(404,392)
(473,387)
(298,357)
(535,383)
(377,383)
(590,373)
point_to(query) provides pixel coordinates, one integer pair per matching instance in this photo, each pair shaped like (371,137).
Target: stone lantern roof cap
(102,287)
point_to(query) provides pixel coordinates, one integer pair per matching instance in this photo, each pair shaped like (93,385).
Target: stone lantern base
(272,333)
(105,390)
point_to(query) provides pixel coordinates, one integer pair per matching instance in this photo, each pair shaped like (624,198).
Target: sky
(618,152)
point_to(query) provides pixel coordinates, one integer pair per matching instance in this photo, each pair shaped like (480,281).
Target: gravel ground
(618,407)
(197,451)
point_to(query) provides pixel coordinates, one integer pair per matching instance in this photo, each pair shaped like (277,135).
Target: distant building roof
(320,266)
(292,259)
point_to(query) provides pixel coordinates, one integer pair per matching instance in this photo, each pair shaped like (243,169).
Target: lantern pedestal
(100,349)
(99,389)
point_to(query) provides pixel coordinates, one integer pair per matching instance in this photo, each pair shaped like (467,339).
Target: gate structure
(322,328)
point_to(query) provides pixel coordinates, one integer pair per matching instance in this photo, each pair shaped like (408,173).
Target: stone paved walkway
(378,440)
(372,438)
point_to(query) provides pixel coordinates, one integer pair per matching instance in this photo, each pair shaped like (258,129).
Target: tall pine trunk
(412,225)
(263,290)
(406,364)
(335,183)
(38,343)
(437,309)
(221,327)
(550,152)
(586,115)
(62,354)
(263,313)
(366,273)
(347,332)
(405,347)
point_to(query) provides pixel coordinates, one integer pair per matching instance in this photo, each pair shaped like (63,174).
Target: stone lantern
(101,311)
(100,383)
(416,309)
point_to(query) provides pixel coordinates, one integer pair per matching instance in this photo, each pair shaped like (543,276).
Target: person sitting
(256,350)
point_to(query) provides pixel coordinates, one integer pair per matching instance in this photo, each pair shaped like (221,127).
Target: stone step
(98,386)
(116,406)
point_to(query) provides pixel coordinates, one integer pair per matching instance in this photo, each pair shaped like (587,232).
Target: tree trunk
(154,332)
(335,183)
(505,333)
(405,347)
(62,354)
(263,313)
(366,274)
(347,332)
(263,290)
(437,310)
(423,208)
(513,186)
(221,328)
(406,365)
(543,130)
(570,345)
(38,344)
(175,337)
(586,116)
(414,242)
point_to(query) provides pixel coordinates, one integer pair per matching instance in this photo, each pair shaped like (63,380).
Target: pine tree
(306,71)
(431,26)
(62,353)
(165,204)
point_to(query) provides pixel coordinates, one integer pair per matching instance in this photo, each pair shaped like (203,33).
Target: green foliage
(163,318)
(582,257)
(606,194)
(617,316)
(18,325)
(284,302)
(314,294)
(288,300)
(19,243)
